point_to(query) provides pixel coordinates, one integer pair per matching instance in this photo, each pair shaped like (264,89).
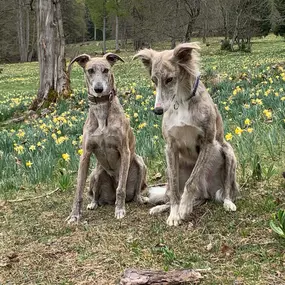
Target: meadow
(41,154)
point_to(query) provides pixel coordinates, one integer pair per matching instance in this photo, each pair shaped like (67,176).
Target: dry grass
(37,247)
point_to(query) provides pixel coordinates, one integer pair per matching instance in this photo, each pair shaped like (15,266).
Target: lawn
(41,155)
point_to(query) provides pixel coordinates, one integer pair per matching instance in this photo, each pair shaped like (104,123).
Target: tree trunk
(189,31)
(22,30)
(173,43)
(94,31)
(117,34)
(205,31)
(225,20)
(124,37)
(235,33)
(104,27)
(33,42)
(53,78)
(27,36)
(146,277)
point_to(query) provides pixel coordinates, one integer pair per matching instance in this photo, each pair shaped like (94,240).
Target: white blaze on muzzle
(158,103)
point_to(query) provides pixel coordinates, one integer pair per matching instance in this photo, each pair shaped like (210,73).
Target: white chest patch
(179,124)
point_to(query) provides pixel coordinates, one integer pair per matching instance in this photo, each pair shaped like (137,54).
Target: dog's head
(167,68)
(99,78)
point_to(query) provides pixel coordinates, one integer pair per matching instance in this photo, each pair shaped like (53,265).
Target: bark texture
(50,36)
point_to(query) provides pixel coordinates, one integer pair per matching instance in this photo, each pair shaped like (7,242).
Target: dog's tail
(157,195)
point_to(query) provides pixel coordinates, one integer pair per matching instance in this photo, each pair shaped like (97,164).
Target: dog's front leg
(120,210)
(173,184)
(81,179)
(195,181)
(230,184)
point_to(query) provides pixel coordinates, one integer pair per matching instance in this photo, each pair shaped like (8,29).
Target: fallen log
(148,277)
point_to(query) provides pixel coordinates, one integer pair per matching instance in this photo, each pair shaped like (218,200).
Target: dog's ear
(112,58)
(81,60)
(183,52)
(145,56)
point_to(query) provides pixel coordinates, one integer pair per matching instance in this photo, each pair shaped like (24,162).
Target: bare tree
(104,25)
(53,78)
(193,10)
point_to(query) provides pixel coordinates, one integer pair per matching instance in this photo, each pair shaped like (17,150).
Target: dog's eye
(169,79)
(91,71)
(154,80)
(105,70)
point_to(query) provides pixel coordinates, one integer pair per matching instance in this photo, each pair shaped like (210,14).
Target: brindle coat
(120,173)
(200,163)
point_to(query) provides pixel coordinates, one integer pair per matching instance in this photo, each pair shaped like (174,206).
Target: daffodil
(29,164)
(142,125)
(247,122)
(228,136)
(267,113)
(66,156)
(238,131)
(32,147)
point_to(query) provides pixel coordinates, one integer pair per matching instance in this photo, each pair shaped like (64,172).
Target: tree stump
(148,277)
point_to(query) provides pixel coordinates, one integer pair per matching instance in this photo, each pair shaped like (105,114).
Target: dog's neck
(188,87)
(100,108)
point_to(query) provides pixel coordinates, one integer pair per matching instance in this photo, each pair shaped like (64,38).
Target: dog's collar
(106,98)
(193,93)
(196,84)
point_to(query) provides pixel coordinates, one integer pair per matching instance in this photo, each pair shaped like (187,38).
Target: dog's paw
(72,219)
(229,205)
(120,213)
(155,210)
(174,218)
(185,209)
(142,200)
(92,206)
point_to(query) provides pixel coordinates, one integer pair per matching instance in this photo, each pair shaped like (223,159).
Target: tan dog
(200,163)
(120,173)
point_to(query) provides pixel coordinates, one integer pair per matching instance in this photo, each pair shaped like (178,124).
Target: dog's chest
(104,146)
(181,126)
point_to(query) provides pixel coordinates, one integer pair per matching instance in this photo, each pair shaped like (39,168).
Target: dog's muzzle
(158,111)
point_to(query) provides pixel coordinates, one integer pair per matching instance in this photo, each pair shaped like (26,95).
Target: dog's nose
(98,89)
(158,111)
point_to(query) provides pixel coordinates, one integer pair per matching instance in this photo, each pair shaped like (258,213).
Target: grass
(37,156)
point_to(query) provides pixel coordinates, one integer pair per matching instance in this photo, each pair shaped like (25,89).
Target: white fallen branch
(174,277)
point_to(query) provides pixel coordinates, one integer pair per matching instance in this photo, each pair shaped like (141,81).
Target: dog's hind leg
(230,190)
(101,190)
(136,181)
(94,188)
(141,180)
(165,207)
(159,209)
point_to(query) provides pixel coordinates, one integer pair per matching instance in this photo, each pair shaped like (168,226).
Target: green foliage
(251,86)
(74,26)
(95,8)
(277,224)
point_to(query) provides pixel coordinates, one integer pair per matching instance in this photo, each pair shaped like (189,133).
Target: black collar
(98,100)
(196,84)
